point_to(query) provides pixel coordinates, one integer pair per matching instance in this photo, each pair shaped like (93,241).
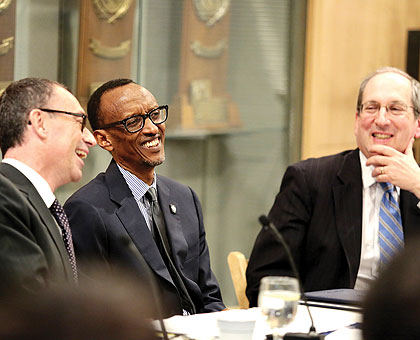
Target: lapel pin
(173,208)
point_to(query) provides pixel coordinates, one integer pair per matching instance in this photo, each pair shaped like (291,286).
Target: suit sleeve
(89,232)
(22,261)
(210,291)
(290,214)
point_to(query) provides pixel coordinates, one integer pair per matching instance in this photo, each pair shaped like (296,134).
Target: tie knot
(56,207)
(388,187)
(151,194)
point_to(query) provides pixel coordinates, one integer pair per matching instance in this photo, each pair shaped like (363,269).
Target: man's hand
(400,169)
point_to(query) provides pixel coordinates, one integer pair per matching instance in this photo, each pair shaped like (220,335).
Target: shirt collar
(136,185)
(367,177)
(40,184)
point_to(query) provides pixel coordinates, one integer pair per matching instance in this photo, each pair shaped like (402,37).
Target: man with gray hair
(43,140)
(345,216)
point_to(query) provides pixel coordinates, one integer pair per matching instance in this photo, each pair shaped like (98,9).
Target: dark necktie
(161,239)
(391,237)
(61,218)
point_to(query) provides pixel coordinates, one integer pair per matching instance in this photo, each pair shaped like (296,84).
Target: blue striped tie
(391,237)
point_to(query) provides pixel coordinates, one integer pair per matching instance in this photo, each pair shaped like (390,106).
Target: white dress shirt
(370,251)
(40,184)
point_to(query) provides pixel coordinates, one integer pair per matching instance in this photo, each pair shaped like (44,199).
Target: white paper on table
(204,326)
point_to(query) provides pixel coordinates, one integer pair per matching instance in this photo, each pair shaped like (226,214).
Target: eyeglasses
(394,109)
(80,115)
(135,123)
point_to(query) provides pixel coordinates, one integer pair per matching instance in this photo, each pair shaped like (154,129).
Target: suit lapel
(347,194)
(26,187)
(410,215)
(133,221)
(179,245)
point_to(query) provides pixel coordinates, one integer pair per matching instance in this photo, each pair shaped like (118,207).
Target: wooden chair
(237,266)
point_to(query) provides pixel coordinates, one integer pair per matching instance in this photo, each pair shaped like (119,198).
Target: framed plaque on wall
(7,39)
(105,43)
(202,101)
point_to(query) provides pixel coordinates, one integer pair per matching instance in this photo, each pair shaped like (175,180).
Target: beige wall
(346,40)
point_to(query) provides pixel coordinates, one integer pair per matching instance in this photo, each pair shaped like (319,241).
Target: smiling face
(137,152)
(67,143)
(381,128)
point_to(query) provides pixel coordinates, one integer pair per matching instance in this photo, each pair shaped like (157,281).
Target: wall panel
(346,40)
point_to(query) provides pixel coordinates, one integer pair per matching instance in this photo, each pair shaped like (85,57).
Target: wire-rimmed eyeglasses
(394,109)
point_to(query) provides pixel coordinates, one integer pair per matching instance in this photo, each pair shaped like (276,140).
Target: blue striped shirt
(138,189)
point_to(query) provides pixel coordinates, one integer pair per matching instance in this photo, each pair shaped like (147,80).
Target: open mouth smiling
(151,144)
(381,136)
(81,154)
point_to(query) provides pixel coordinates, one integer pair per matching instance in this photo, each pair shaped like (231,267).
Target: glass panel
(236,172)
(236,164)
(37,39)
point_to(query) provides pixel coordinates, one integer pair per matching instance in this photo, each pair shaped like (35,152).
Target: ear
(417,128)
(103,140)
(38,122)
(356,123)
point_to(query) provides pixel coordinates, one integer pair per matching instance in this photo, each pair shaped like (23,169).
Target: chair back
(237,266)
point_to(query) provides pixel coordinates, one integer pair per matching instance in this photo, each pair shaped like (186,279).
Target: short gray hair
(415,87)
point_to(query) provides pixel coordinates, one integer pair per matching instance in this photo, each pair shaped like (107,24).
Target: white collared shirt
(370,250)
(40,184)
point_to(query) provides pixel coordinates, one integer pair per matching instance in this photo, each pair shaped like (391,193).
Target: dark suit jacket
(104,212)
(32,251)
(319,212)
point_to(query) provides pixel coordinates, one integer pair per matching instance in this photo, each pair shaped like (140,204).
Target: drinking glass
(278,299)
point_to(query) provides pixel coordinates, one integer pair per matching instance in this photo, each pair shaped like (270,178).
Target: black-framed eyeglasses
(80,115)
(394,109)
(135,123)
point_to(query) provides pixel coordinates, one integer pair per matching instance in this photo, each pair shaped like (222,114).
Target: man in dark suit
(328,208)
(43,142)
(113,217)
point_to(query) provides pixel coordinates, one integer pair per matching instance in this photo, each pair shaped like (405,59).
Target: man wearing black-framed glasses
(83,117)
(44,143)
(135,123)
(130,212)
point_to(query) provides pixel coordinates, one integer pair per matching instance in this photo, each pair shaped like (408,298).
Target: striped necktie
(63,222)
(391,236)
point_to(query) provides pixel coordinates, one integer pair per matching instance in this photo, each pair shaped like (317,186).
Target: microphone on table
(126,241)
(312,334)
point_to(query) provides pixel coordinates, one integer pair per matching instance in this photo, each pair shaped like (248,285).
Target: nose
(382,116)
(149,127)
(88,138)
